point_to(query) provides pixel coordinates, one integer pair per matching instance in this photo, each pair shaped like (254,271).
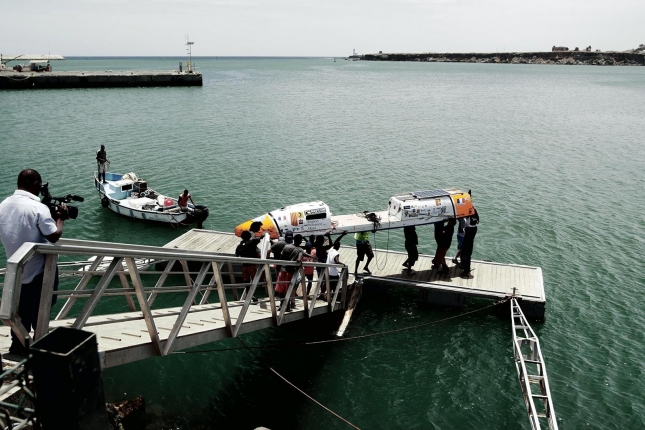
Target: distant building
(559,48)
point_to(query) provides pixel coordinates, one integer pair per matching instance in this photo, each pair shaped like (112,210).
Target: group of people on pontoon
(292,247)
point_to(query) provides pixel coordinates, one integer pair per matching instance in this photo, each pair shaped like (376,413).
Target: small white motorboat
(129,195)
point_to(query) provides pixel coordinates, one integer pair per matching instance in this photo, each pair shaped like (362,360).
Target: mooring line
(275,372)
(343,339)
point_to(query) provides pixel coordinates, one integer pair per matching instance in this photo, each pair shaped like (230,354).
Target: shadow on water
(234,388)
(223,385)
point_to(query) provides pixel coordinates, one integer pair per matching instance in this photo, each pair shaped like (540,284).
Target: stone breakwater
(558,57)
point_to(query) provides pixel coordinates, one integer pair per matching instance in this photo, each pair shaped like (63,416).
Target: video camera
(53,203)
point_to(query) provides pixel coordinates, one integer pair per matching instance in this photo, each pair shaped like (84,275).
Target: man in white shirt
(24,219)
(332,258)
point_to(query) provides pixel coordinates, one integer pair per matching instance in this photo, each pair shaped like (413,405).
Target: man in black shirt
(248,248)
(101,159)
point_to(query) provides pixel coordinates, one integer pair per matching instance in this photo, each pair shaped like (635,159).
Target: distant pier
(11,80)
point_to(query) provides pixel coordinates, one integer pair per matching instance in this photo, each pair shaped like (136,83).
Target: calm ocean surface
(554,156)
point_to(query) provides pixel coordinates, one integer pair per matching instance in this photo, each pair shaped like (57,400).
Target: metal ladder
(534,384)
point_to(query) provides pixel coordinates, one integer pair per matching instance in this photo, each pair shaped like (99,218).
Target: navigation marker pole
(189,49)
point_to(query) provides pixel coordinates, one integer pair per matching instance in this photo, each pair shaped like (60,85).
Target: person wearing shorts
(363,248)
(182,201)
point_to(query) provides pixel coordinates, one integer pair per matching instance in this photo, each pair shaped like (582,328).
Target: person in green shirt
(363,248)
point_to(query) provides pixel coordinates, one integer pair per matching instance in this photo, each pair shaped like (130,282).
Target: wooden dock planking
(490,279)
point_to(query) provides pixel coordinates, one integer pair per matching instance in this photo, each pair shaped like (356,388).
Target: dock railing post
(161,280)
(222,297)
(217,267)
(314,299)
(327,285)
(303,285)
(344,293)
(144,305)
(270,292)
(81,286)
(46,294)
(124,285)
(190,300)
(97,293)
(231,277)
(247,302)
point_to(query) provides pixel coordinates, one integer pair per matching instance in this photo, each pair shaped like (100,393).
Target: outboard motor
(200,214)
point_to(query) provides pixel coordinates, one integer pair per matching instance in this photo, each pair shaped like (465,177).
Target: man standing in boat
(182,201)
(101,159)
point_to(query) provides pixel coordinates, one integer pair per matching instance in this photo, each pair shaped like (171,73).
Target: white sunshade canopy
(31,57)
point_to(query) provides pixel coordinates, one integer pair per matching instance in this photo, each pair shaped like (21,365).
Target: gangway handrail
(122,264)
(527,381)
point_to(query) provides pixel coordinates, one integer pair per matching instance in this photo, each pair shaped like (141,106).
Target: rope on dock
(343,339)
(275,372)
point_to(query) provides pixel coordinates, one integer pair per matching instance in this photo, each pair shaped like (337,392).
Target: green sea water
(554,156)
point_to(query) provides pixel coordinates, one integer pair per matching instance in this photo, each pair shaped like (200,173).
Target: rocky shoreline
(557,57)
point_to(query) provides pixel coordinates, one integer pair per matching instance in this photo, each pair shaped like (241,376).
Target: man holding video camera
(23,218)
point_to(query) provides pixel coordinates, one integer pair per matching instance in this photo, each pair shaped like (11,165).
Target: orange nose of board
(267,226)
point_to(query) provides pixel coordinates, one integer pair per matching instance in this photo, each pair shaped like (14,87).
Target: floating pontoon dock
(490,280)
(153,330)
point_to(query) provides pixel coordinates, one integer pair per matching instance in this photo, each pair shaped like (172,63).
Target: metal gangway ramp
(151,319)
(531,371)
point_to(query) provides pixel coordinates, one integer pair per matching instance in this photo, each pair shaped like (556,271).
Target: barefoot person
(182,201)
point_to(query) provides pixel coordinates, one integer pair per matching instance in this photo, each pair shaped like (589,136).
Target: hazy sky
(314,28)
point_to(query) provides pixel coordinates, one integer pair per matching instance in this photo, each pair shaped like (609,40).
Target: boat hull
(169,217)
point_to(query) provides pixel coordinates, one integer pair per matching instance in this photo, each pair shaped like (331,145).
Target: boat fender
(105,202)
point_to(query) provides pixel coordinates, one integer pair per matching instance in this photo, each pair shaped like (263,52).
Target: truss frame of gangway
(123,266)
(523,335)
